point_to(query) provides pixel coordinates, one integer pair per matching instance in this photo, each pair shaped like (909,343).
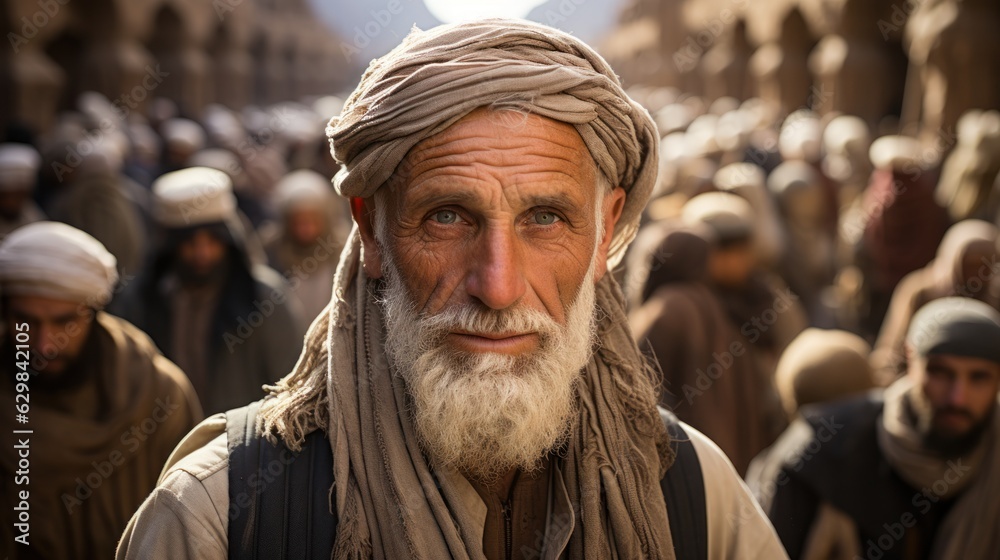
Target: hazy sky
(457,10)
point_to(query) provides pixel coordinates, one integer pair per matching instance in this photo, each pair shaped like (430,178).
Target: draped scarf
(970,529)
(387,497)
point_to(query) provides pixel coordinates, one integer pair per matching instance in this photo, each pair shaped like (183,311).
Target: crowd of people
(816,297)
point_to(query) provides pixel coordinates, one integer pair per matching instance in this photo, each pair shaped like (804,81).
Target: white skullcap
(183,133)
(218,158)
(737,176)
(846,135)
(978,128)
(700,136)
(193,196)
(18,166)
(729,216)
(54,260)
(801,136)
(733,130)
(894,152)
(303,187)
(792,176)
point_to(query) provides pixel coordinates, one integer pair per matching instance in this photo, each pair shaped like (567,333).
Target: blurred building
(922,61)
(195,52)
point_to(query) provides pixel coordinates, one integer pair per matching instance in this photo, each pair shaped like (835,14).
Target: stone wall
(911,65)
(195,52)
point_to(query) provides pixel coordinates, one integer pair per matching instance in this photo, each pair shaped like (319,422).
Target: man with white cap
(908,472)
(103,406)
(18,174)
(306,244)
(452,401)
(226,320)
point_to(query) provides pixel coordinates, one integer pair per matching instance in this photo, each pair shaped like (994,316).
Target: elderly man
(911,472)
(454,394)
(102,407)
(227,321)
(18,175)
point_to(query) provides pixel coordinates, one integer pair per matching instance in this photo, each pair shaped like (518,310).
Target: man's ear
(362,210)
(614,203)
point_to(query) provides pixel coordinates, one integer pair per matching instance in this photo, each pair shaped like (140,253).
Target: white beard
(487,413)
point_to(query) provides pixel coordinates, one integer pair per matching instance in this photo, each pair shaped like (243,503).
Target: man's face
(731,266)
(305,225)
(57,330)
(200,256)
(956,399)
(493,239)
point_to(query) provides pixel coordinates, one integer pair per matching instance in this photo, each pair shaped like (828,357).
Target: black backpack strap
(279,501)
(684,491)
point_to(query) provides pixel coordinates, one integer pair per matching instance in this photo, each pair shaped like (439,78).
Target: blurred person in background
(819,366)
(226,320)
(305,245)
(809,260)
(908,472)
(18,174)
(106,408)
(182,138)
(93,197)
(965,265)
(972,168)
(896,226)
(746,180)
(709,378)
(761,307)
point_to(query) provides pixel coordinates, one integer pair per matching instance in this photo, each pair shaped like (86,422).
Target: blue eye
(445,217)
(544,218)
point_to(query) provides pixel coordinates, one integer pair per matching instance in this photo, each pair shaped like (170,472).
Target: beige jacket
(186,517)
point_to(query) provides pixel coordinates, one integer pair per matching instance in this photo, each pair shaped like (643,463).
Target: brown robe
(711,376)
(96,449)
(941,278)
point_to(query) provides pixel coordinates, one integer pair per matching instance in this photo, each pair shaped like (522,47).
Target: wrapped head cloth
(57,261)
(436,77)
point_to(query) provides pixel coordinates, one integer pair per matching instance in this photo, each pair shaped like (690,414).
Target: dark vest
(841,464)
(281,503)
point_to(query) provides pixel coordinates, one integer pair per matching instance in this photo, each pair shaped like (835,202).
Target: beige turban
(822,366)
(54,260)
(193,196)
(436,77)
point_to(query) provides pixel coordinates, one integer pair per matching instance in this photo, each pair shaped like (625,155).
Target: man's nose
(958,394)
(496,275)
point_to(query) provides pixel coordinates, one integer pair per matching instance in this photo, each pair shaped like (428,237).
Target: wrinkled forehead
(502,141)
